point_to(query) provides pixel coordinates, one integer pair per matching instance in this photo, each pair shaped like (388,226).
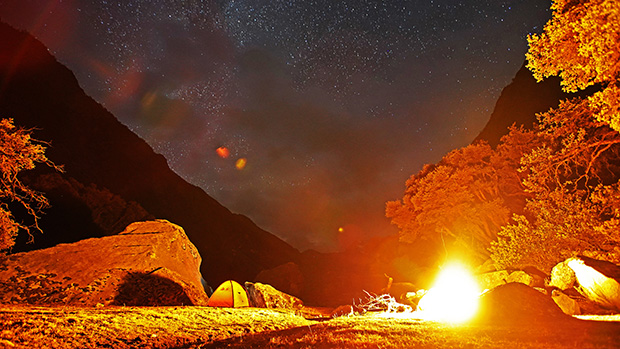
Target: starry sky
(304,115)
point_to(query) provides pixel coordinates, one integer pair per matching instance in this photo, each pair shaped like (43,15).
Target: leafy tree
(548,193)
(18,152)
(573,180)
(580,44)
(462,201)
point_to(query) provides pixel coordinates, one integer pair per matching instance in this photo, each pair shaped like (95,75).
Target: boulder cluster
(150,263)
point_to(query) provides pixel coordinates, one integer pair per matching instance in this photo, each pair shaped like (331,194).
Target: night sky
(320,109)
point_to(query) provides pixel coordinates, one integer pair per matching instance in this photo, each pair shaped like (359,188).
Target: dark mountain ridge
(97,150)
(521,100)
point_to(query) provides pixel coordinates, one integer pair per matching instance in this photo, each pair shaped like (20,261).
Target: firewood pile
(383,303)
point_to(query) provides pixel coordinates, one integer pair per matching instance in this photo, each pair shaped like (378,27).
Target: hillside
(102,156)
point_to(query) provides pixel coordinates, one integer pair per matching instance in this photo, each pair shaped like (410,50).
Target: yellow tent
(229,294)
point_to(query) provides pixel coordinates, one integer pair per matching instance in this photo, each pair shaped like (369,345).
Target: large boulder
(529,276)
(149,263)
(597,280)
(516,304)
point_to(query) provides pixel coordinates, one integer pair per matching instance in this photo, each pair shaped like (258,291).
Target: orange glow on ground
(453,298)
(223,152)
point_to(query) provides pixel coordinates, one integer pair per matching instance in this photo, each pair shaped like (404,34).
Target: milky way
(332,105)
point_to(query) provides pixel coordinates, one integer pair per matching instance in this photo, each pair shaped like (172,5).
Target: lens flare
(223,152)
(453,298)
(240,164)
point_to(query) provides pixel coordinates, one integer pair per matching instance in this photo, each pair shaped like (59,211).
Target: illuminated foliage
(462,201)
(546,194)
(563,226)
(581,44)
(573,180)
(539,197)
(18,152)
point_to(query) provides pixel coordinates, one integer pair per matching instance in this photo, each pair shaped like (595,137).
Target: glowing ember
(453,298)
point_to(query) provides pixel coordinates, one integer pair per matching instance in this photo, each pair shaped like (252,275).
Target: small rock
(538,276)
(266,296)
(562,276)
(343,310)
(568,305)
(521,277)
(492,279)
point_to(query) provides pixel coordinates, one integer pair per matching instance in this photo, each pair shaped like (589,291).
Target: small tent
(229,294)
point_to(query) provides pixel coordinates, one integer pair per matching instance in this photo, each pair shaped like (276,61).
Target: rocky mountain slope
(520,101)
(110,168)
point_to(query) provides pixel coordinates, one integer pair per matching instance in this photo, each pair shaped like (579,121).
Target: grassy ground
(382,332)
(200,327)
(373,332)
(134,327)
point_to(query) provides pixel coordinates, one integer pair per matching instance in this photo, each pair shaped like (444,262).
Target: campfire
(453,298)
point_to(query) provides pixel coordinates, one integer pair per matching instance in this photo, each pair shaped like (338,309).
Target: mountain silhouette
(102,158)
(521,100)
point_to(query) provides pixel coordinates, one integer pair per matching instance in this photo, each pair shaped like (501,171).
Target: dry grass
(134,327)
(201,327)
(381,332)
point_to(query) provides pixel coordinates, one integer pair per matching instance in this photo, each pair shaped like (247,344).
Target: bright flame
(453,298)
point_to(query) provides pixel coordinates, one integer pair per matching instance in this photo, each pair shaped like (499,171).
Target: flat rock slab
(149,263)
